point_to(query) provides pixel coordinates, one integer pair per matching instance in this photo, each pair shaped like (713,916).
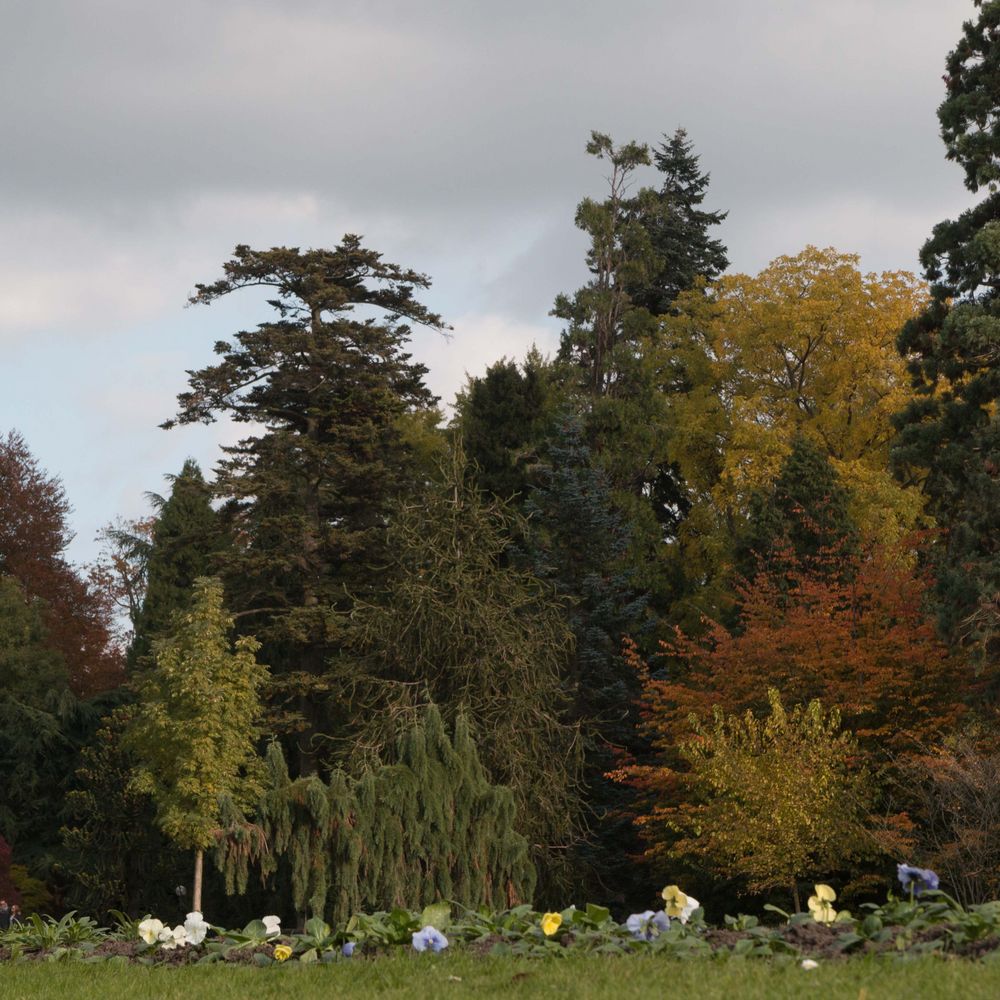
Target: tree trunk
(199,858)
(795,897)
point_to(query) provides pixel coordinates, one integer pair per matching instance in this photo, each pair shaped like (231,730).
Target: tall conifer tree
(186,539)
(951,432)
(327,380)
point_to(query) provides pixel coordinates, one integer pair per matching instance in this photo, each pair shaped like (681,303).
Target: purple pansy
(429,937)
(921,879)
(647,925)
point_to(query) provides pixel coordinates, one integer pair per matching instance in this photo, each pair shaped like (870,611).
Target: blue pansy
(429,937)
(647,925)
(921,879)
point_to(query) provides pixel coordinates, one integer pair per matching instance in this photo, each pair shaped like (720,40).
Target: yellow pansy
(282,952)
(675,899)
(821,905)
(551,922)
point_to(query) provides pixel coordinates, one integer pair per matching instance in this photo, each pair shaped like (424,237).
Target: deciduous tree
(196,725)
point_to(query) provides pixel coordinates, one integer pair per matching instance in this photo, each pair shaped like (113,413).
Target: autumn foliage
(848,629)
(33,539)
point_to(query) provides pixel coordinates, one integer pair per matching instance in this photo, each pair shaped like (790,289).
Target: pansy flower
(429,937)
(918,880)
(647,925)
(821,904)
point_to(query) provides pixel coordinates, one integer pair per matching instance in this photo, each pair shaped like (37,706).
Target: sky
(143,140)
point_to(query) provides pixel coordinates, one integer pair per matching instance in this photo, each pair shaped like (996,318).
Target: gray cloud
(143,139)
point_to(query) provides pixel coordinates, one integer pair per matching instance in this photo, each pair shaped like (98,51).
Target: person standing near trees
(4,915)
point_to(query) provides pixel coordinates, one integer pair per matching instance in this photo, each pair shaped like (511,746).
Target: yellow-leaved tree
(808,347)
(773,800)
(196,725)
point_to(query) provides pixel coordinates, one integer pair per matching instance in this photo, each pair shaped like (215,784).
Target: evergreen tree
(499,417)
(422,826)
(678,228)
(36,711)
(951,433)
(307,497)
(195,727)
(186,539)
(603,328)
(116,857)
(805,514)
(462,627)
(578,542)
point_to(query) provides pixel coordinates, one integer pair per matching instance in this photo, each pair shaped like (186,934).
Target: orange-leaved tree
(847,628)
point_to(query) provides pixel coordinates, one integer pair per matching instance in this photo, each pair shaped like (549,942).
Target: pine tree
(805,514)
(307,498)
(951,433)
(186,541)
(578,542)
(499,417)
(678,228)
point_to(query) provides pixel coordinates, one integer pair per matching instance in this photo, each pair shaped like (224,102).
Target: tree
(500,417)
(116,857)
(599,316)
(195,727)
(678,229)
(33,540)
(185,539)
(577,541)
(949,434)
(459,626)
(307,498)
(806,513)
(775,800)
(848,628)
(422,826)
(957,790)
(806,349)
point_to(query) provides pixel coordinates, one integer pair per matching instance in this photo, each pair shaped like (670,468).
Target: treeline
(713,593)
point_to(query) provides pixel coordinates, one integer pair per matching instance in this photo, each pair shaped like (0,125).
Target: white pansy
(808,963)
(272,925)
(196,927)
(689,907)
(149,929)
(175,937)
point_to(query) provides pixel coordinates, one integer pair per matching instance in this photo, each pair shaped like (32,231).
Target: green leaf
(437,915)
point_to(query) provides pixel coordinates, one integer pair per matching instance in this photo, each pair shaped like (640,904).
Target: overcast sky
(142,140)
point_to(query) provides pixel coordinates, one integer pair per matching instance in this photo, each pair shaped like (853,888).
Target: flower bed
(928,922)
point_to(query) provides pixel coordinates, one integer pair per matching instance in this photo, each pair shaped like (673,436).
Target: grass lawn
(457,975)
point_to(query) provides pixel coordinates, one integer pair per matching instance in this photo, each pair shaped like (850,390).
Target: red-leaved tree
(33,539)
(850,630)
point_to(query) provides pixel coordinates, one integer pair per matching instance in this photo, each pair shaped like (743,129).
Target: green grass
(457,976)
